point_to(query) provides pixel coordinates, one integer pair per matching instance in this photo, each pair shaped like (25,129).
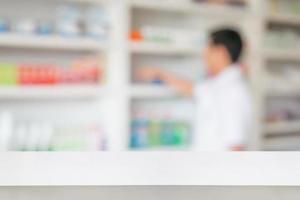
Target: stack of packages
(84,71)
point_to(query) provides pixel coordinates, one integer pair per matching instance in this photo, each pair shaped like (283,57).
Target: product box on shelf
(159,125)
(172,36)
(8,74)
(82,71)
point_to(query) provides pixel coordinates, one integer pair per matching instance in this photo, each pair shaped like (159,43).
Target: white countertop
(149,168)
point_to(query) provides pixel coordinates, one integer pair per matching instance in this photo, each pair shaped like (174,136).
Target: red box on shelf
(33,74)
(83,71)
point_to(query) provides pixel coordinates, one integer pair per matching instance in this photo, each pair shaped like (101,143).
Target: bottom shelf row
(155,124)
(80,126)
(46,136)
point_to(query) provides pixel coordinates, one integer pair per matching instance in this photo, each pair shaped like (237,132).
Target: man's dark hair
(231,40)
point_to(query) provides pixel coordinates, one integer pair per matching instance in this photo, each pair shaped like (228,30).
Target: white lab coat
(224,111)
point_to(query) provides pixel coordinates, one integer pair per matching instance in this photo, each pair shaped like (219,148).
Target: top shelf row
(191,7)
(182,6)
(201,8)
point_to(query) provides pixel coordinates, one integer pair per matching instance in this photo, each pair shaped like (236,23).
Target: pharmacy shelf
(153,91)
(281,135)
(281,128)
(223,11)
(50,92)
(283,92)
(163,49)
(51,42)
(286,19)
(291,55)
(150,168)
(288,143)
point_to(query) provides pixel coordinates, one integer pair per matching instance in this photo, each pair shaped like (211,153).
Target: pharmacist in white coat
(223,101)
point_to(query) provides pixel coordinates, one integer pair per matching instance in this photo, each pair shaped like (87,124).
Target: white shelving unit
(280,135)
(119,92)
(26,100)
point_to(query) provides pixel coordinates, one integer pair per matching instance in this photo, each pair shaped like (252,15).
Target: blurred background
(68,81)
